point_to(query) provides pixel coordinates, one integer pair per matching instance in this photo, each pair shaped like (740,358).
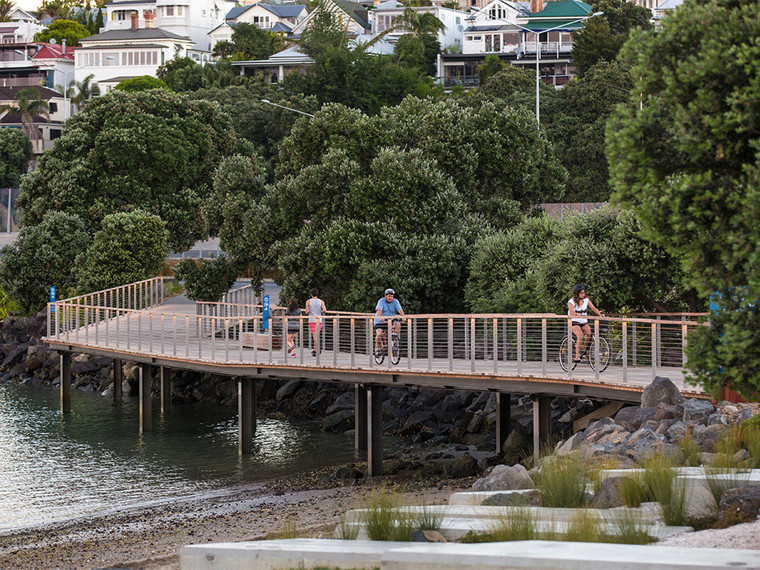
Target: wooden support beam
(542,424)
(65,378)
(503,419)
(246,415)
(145,384)
(166,388)
(118,378)
(360,418)
(375,431)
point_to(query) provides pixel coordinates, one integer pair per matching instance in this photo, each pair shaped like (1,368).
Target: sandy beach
(150,537)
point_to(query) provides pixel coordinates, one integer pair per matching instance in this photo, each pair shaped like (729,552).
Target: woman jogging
(577,307)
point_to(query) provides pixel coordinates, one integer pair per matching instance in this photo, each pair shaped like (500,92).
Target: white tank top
(315,309)
(580,310)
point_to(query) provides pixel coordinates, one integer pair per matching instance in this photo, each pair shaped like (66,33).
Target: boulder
(661,390)
(520,498)
(345,401)
(609,495)
(668,412)
(695,410)
(516,441)
(15,356)
(571,444)
(476,423)
(739,505)
(465,466)
(505,478)
(415,422)
(632,417)
(708,437)
(287,390)
(339,421)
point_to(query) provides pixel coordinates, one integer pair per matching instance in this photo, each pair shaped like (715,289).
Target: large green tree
(15,154)
(59,30)
(686,157)
(153,150)
(251,42)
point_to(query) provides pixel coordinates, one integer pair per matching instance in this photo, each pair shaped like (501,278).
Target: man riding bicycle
(387,307)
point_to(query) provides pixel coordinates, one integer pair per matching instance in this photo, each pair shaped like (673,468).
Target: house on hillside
(48,129)
(385,17)
(519,35)
(25,65)
(353,16)
(20,27)
(280,18)
(119,54)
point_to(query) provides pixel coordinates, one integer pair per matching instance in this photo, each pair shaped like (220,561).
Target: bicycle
(395,348)
(589,353)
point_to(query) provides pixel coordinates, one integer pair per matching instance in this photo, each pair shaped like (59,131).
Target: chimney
(148,15)
(377,2)
(536,6)
(135,21)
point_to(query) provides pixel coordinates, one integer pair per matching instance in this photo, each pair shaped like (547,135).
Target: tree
(251,42)
(6,7)
(43,256)
(144,83)
(224,49)
(28,106)
(685,157)
(602,37)
(152,150)
(59,30)
(418,23)
(15,154)
(492,65)
(56,9)
(84,91)
(206,280)
(99,21)
(129,247)
(418,51)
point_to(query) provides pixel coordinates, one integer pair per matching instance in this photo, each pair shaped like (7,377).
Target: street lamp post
(268,102)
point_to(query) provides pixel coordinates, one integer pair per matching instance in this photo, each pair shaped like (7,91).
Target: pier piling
(542,423)
(146,418)
(503,419)
(375,431)
(360,418)
(65,378)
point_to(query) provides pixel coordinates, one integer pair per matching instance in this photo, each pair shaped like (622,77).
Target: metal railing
(622,349)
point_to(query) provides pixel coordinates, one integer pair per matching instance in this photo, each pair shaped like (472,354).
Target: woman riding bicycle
(577,307)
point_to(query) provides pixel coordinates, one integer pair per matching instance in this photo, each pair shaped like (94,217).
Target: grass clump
(634,491)
(562,481)
(288,529)
(663,485)
(520,525)
(584,527)
(428,518)
(385,518)
(750,437)
(690,450)
(347,531)
(629,530)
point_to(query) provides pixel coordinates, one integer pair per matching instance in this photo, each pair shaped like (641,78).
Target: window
(497,13)
(180,10)
(566,38)
(488,43)
(53,107)
(459,20)
(110,59)
(497,43)
(511,38)
(169,10)
(55,134)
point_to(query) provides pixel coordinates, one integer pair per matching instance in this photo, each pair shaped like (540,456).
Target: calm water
(54,468)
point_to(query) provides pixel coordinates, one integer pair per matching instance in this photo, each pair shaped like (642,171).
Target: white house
(281,18)
(493,29)
(353,17)
(386,14)
(193,19)
(119,54)
(50,128)
(20,27)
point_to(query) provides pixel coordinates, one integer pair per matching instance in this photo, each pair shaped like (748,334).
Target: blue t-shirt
(387,309)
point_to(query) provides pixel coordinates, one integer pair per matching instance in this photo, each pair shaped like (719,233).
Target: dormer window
(497,13)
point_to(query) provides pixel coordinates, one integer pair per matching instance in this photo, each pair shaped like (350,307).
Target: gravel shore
(150,537)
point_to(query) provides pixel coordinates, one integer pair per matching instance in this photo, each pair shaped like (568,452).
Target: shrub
(206,280)
(385,518)
(130,246)
(661,481)
(562,481)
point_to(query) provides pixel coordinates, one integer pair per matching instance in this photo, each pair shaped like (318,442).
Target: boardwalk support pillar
(145,383)
(542,424)
(375,431)
(503,419)
(360,418)
(166,388)
(118,378)
(246,415)
(65,377)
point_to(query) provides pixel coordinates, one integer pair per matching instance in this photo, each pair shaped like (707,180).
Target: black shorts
(384,325)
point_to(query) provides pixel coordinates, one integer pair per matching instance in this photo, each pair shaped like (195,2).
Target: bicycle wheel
(562,355)
(380,353)
(604,354)
(395,349)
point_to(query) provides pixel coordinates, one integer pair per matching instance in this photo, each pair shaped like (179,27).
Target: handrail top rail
(438,316)
(156,278)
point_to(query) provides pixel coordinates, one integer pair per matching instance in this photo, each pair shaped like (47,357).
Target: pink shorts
(313,327)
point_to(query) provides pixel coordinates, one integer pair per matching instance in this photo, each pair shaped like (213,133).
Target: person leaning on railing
(577,307)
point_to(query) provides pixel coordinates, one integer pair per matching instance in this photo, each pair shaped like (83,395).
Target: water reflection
(92,460)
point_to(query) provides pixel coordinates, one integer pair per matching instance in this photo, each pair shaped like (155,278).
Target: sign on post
(265,309)
(52,299)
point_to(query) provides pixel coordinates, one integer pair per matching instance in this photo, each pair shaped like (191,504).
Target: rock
(573,443)
(668,412)
(739,505)
(707,438)
(465,466)
(339,421)
(347,474)
(287,389)
(15,356)
(33,363)
(661,390)
(699,502)
(695,410)
(632,417)
(427,536)
(609,495)
(476,423)
(516,441)
(676,432)
(505,478)
(521,498)
(717,419)
(415,422)
(343,402)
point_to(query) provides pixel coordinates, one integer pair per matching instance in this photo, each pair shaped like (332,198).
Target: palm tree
(28,106)
(419,24)
(85,90)
(6,7)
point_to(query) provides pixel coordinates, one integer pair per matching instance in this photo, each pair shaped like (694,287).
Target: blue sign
(52,299)
(265,307)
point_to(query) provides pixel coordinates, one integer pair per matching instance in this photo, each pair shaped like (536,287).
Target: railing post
(519,345)
(240,340)
(336,339)
(271,340)
(473,341)
(569,348)
(430,342)
(684,333)
(544,348)
(634,359)
(409,344)
(353,342)
(450,342)
(625,351)
(596,349)
(654,349)
(495,342)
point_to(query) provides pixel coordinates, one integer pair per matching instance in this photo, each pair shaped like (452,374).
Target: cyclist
(577,307)
(387,307)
